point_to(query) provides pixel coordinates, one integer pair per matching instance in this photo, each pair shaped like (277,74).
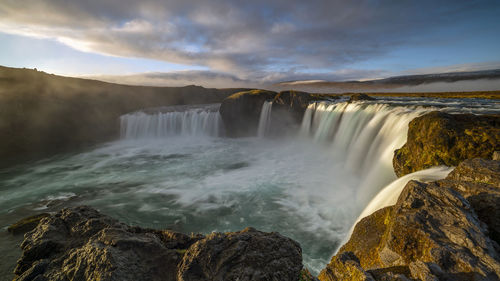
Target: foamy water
(173,170)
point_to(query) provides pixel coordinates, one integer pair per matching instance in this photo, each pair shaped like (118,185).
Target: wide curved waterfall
(172,121)
(172,169)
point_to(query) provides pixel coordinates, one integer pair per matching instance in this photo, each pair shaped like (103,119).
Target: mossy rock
(26,224)
(439,138)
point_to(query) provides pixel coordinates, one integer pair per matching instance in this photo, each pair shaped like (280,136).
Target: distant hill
(439,77)
(390,83)
(42,114)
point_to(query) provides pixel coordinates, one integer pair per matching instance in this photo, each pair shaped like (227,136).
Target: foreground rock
(439,138)
(82,244)
(436,231)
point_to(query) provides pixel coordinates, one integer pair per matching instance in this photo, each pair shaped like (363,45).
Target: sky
(243,43)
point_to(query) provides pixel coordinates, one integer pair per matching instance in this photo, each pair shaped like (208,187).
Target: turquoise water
(197,185)
(311,187)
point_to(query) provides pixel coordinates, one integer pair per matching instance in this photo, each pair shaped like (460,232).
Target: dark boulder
(436,231)
(240,112)
(245,255)
(82,244)
(360,97)
(439,138)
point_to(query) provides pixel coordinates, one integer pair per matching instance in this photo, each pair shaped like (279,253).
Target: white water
(265,119)
(311,188)
(191,122)
(390,194)
(363,137)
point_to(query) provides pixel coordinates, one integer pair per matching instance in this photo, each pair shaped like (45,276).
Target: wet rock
(359,97)
(496,155)
(477,170)
(294,102)
(432,233)
(82,244)
(478,180)
(439,138)
(345,266)
(245,255)
(240,112)
(26,224)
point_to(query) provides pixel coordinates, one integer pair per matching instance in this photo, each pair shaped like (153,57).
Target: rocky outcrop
(359,97)
(82,244)
(436,231)
(245,255)
(26,224)
(439,138)
(240,112)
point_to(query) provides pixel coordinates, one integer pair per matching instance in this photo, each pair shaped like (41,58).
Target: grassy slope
(42,114)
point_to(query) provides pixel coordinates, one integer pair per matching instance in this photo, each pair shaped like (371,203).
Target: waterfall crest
(173,121)
(364,136)
(265,119)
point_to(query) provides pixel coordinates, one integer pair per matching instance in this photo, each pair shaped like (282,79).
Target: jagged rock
(240,112)
(26,224)
(496,155)
(245,255)
(478,180)
(82,244)
(477,170)
(439,138)
(432,233)
(345,266)
(359,96)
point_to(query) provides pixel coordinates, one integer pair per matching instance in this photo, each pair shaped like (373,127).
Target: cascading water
(311,188)
(204,121)
(265,119)
(363,136)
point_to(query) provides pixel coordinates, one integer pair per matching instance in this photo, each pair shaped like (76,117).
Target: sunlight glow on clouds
(266,40)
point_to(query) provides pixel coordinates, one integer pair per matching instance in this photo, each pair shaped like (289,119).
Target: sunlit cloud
(259,40)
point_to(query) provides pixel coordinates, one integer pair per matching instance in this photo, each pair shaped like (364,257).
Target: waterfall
(390,194)
(265,119)
(364,136)
(202,121)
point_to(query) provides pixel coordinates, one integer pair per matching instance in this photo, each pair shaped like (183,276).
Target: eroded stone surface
(245,255)
(82,244)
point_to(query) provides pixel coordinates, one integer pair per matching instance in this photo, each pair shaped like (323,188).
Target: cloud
(247,40)
(208,79)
